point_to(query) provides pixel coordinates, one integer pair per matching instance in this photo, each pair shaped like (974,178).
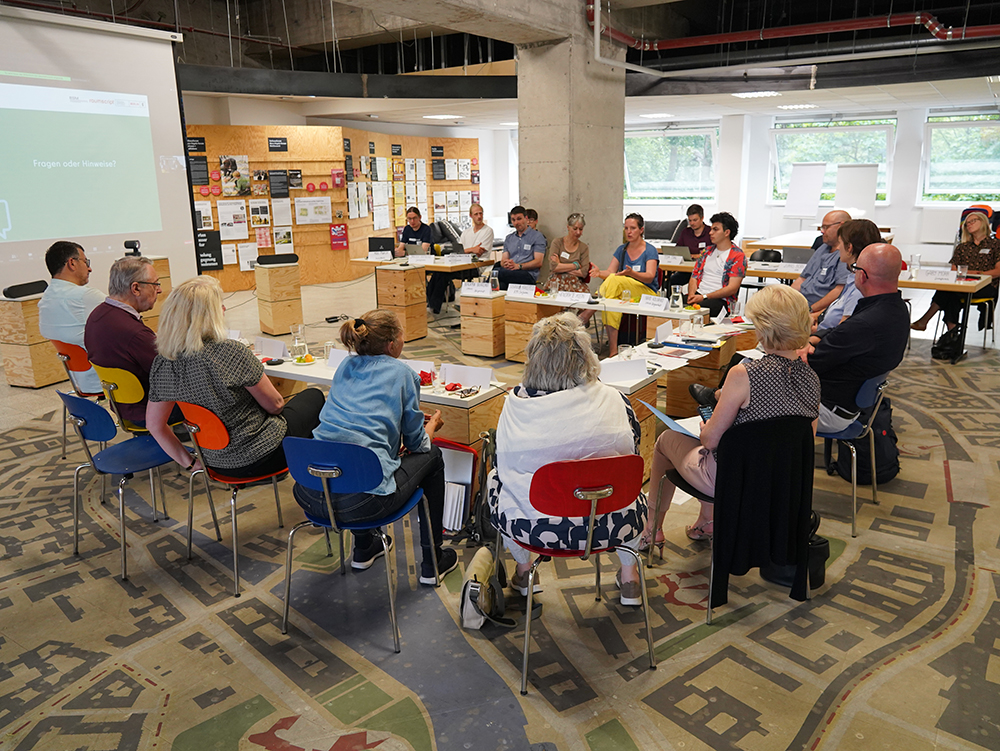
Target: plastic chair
(138,454)
(990,327)
(335,467)
(74,360)
(764,256)
(122,387)
(584,488)
(208,432)
(869,395)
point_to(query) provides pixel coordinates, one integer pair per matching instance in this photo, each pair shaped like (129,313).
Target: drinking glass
(963,271)
(626,295)
(677,298)
(734,308)
(327,349)
(914,262)
(298,348)
(625,351)
(697,324)
(495,281)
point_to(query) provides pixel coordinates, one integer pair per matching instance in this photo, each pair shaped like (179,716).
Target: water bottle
(495,280)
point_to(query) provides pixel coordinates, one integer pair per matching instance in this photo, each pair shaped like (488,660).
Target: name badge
(984,251)
(701,246)
(822,271)
(637,267)
(564,254)
(527,246)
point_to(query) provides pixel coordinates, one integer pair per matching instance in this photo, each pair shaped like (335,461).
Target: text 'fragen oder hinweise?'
(70,164)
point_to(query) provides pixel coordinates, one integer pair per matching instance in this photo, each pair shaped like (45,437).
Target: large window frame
(634,192)
(936,195)
(886,125)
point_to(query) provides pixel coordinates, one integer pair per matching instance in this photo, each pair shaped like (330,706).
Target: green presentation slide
(73,174)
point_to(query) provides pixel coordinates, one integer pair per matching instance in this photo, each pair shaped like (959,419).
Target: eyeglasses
(84,260)
(152,284)
(854,267)
(825,227)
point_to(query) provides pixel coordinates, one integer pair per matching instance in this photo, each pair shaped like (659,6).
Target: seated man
(824,277)
(869,343)
(523,252)
(416,235)
(694,237)
(65,305)
(116,337)
(476,240)
(719,271)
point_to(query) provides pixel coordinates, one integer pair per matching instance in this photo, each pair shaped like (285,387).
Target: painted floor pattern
(900,649)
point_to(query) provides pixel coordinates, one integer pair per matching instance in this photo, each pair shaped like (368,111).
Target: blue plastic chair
(869,395)
(342,468)
(139,454)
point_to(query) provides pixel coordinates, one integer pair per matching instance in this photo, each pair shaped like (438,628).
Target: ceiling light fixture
(373,117)
(756,94)
(508,125)
(442,117)
(798,106)
(657,116)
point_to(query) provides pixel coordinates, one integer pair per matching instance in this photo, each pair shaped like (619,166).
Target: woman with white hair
(561,412)
(198,363)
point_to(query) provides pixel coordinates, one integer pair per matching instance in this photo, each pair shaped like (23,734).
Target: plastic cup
(327,349)
(625,351)
(626,295)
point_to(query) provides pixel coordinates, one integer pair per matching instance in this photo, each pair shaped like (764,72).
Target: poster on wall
(281,211)
(313,210)
(450,169)
(421,169)
(208,251)
(260,212)
(229,254)
(380,218)
(338,236)
(464,201)
(283,240)
(198,169)
(232,219)
(235,172)
(349,169)
(440,202)
(248,255)
(411,169)
(437,169)
(263,237)
(259,189)
(279,183)
(464,169)
(474,177)
(398,171)
(203,213)
(337,177)
(294,178)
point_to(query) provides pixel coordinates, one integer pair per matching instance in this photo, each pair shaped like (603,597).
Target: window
(962,159)
(673,165)
(836,142)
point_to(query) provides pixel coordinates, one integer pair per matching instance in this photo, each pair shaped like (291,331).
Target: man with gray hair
(115,335)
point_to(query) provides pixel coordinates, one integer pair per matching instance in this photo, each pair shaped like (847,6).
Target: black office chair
(764,256)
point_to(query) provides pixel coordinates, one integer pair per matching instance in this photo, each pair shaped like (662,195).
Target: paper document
(668,421)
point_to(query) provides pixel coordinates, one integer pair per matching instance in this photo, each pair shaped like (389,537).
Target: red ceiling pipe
(808,29)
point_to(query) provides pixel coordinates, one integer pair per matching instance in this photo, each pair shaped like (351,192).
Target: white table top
(612,306)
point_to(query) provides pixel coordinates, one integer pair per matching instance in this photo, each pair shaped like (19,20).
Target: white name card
(274,348)
(572,297)
(476,289)
(427,366)
(671,259)
(380,255)
(459,258)
(521,290)
(421,260)
(664,330)
(336,357)
(622,371)
(763,265)
(654,302)
(234,334)
(467,375)
(925,274)
(796,267)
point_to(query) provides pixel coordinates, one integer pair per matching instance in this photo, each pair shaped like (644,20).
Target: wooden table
(801,239)
(642,390)
(483,324)
(403,289)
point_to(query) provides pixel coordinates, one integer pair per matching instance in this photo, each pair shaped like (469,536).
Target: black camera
(133,246)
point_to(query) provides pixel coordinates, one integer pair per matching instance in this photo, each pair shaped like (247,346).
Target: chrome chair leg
(597,577)
(390,580)
(66,417)
(871,448)
(277,502)
(430,533)
(236,543)
(288,573)
(121,523)
(104,489)
(711,584)
(326,536)
(645,605)
(211,506)
(854,489)
(190,524)
(527,626)
(163,496)
(152,496)
(76,508)
(343,566)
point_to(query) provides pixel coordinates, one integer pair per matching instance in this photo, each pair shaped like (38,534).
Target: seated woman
(634,267)
(569,259)
(853,236)
(719,270)
(981,253)
(779,384)
(197,363)
(375,402)
(560,395)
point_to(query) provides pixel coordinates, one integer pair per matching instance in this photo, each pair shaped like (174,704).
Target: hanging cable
(229,30)
(288,37)
(322,23)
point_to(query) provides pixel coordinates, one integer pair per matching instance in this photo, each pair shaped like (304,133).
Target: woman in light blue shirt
(374,402)
(853,236)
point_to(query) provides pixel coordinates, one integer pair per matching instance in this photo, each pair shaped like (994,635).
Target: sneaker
(447,562)
(363,558)
(519,583)
(631,592)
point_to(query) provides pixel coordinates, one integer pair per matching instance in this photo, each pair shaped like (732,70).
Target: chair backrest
(354,469)
(796,255)
(92,421)
(74,357)
(207,430)
(871,391)
(766,255)
(120,385)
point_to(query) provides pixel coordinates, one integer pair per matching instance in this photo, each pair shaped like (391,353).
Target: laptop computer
(676,250)
(376,244)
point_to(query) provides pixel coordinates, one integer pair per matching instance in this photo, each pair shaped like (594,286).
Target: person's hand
(434,424)
(508,264)
(553,261)
(196,467)
(399,252)
(803,354)
(593,271)
(694,299)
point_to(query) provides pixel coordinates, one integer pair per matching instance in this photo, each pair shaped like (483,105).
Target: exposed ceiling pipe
(935,27)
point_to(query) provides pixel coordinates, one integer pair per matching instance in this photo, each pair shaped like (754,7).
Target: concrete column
(734,164)
(571,140)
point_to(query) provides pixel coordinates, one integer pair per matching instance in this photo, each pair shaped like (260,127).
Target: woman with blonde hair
(569,258)
(560,396)
(375,402)
(197,363)
(780,384)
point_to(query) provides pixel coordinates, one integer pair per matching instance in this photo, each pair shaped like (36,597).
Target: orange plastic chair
(208,432)
(74,360)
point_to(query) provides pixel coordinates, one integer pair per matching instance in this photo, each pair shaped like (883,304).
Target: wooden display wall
(316,150)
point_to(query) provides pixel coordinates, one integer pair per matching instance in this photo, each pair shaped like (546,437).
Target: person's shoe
(364,557)
(701,532)
(702,394)
(630,592)
(447,562)
(519,582)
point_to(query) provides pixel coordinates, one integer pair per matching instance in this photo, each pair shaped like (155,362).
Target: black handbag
(819,553)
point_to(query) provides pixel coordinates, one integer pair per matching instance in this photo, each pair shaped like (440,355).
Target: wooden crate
(286,386)
(32,365)
(413,319)
(401,287)
(277,283)
(647,441)
(528,312)
(483,307)
(484,337)
(19,322)
(464,425)
(516,336)
(652,321)
(278,317)
(746,340)
(678,401)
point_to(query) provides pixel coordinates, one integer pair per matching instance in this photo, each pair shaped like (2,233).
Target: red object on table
(453,387)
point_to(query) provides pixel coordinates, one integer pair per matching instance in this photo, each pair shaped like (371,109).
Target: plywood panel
(276,283)
(516,336)
(278,317)
(400,287)
(482,307)
(32,365)
(413,319)
(484,337)
(19,322)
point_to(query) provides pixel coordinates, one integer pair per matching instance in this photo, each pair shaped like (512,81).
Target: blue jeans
(424,471)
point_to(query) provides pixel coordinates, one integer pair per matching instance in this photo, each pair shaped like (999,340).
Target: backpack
(482,591)
(948,346)
(886,453)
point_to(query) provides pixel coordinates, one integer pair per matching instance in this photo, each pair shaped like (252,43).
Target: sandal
(701,532)
(644,542)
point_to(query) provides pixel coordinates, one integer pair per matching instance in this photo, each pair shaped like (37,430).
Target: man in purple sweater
(115,336)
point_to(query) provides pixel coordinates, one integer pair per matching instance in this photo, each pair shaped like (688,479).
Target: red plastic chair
(74,359)
(584,488)
(208,432)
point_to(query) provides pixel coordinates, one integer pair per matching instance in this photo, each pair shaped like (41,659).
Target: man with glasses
(825,275)
(869,343)
(116,337)
(66,303)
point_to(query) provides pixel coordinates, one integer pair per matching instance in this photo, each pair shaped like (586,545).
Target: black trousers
(951,304)
(513,276)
